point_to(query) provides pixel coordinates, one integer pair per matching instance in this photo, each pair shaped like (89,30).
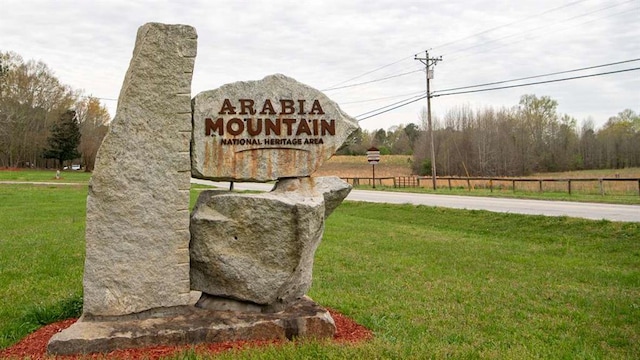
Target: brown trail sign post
(373,157)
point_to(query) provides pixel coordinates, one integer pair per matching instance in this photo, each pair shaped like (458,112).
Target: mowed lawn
(430,282)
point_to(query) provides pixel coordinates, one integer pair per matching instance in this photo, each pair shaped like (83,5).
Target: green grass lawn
(41,254)
(429,282)
(66,176)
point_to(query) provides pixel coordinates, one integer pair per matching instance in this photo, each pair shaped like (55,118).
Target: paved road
(593,211)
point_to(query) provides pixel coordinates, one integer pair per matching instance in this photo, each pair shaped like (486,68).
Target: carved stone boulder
(259,248)
(265,130)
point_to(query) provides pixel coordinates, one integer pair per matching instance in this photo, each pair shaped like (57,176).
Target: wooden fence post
(569,185)
(601,186)
(513,185)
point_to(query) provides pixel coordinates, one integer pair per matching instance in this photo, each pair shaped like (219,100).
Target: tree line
(528,138)
(44,123)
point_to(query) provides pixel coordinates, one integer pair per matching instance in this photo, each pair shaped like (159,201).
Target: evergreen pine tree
(64,139)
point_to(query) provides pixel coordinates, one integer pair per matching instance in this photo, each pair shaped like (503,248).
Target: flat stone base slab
(183,325)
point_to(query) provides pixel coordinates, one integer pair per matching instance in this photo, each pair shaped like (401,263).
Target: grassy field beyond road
(429,282)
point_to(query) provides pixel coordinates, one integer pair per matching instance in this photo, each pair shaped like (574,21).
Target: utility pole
(428,63)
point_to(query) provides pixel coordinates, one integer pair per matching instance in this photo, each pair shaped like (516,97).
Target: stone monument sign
(249,257)
(259,248)
(265,130)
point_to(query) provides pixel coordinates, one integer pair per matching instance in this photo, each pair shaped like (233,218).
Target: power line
(509,24)
(371,71)
(336,87)
(456,41)
(413,99)
(537,76)
(539,82)
(380,111)
(537,28)
(380,98)
(372,81)
(497,46)
(393,108)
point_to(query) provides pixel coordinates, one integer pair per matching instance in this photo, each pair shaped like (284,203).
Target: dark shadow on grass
(40,315)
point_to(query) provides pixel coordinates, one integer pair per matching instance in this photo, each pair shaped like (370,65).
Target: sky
(359,53)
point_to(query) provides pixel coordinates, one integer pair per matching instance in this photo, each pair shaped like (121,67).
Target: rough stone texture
(269,156)
(137,233)
(334,190)
(259,247)
(210,302)
(190,325)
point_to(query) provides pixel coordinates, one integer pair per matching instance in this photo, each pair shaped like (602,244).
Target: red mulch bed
(34,346)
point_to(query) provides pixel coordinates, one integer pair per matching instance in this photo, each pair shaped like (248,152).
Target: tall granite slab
(137,232)
(265,130)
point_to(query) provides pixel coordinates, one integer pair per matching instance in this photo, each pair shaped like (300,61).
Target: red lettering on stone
(316,108)
(246,104)
(303,128)
(227,108)
(301,107)
(213,126)
(254,131)
(270,126)
(289,123)
(328,127)
(267,108)
(287,107)
(239,128)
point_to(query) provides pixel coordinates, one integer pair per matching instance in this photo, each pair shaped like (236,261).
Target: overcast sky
(324,44)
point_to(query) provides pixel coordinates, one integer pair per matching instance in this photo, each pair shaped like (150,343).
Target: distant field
(400,165)
(346,166)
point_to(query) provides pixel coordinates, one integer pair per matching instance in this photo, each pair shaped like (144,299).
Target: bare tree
(94,122)
(31,100)
(619,140)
